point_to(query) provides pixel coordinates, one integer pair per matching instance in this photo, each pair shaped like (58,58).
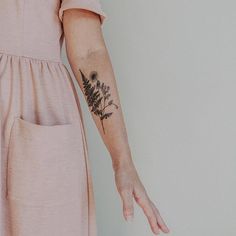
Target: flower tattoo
(98,96)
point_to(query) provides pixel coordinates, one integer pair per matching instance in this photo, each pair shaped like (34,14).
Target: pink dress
(45,179)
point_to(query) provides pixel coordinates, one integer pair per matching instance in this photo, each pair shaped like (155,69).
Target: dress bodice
(31,28)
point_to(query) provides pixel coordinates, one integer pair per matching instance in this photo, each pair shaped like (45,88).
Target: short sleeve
(90,5)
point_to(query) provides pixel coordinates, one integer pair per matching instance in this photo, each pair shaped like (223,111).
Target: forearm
(93,70)
(112,129)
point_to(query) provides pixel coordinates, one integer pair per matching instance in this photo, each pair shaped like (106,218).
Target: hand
(129,185)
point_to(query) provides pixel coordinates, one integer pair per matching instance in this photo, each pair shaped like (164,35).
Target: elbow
(90,55)
(91,52)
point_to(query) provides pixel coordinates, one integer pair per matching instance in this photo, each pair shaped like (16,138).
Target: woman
(46,186)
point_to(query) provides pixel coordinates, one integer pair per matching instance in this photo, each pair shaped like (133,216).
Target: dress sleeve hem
(68,5)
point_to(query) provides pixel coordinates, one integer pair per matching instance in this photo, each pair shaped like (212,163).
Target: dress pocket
(44,163)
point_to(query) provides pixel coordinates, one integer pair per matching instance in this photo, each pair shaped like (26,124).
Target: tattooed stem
(104,103)
(105,107)
(110,105)
(102,126)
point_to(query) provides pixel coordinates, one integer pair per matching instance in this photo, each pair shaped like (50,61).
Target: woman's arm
(91,65)
(88,58)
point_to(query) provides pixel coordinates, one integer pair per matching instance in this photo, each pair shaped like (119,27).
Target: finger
(145,204)
(128,207)
(160,220)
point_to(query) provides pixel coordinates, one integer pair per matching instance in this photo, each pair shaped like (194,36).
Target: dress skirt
(46,183)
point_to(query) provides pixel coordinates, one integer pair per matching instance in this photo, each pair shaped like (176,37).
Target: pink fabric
(45,177)
(91,5)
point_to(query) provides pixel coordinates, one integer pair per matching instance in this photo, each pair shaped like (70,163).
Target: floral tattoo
(97,96)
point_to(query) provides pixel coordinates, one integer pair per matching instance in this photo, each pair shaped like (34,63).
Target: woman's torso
(31,28)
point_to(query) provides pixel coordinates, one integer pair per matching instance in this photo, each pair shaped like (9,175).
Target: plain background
(175,66)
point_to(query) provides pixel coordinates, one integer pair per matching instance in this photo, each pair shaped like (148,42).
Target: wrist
(123,162)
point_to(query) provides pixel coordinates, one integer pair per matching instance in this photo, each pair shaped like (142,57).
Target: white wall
(175,65)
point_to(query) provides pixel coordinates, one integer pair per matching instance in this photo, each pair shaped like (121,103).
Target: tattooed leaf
(98,84)
(107,96)
(96,94)
(106,115)
(98,102)
(91,91)
(110,102)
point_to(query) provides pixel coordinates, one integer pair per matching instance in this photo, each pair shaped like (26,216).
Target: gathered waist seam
(31,58)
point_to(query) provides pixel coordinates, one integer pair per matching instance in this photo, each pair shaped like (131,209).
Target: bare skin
(91,65)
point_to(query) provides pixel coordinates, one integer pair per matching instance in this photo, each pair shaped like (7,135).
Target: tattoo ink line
(97,96)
